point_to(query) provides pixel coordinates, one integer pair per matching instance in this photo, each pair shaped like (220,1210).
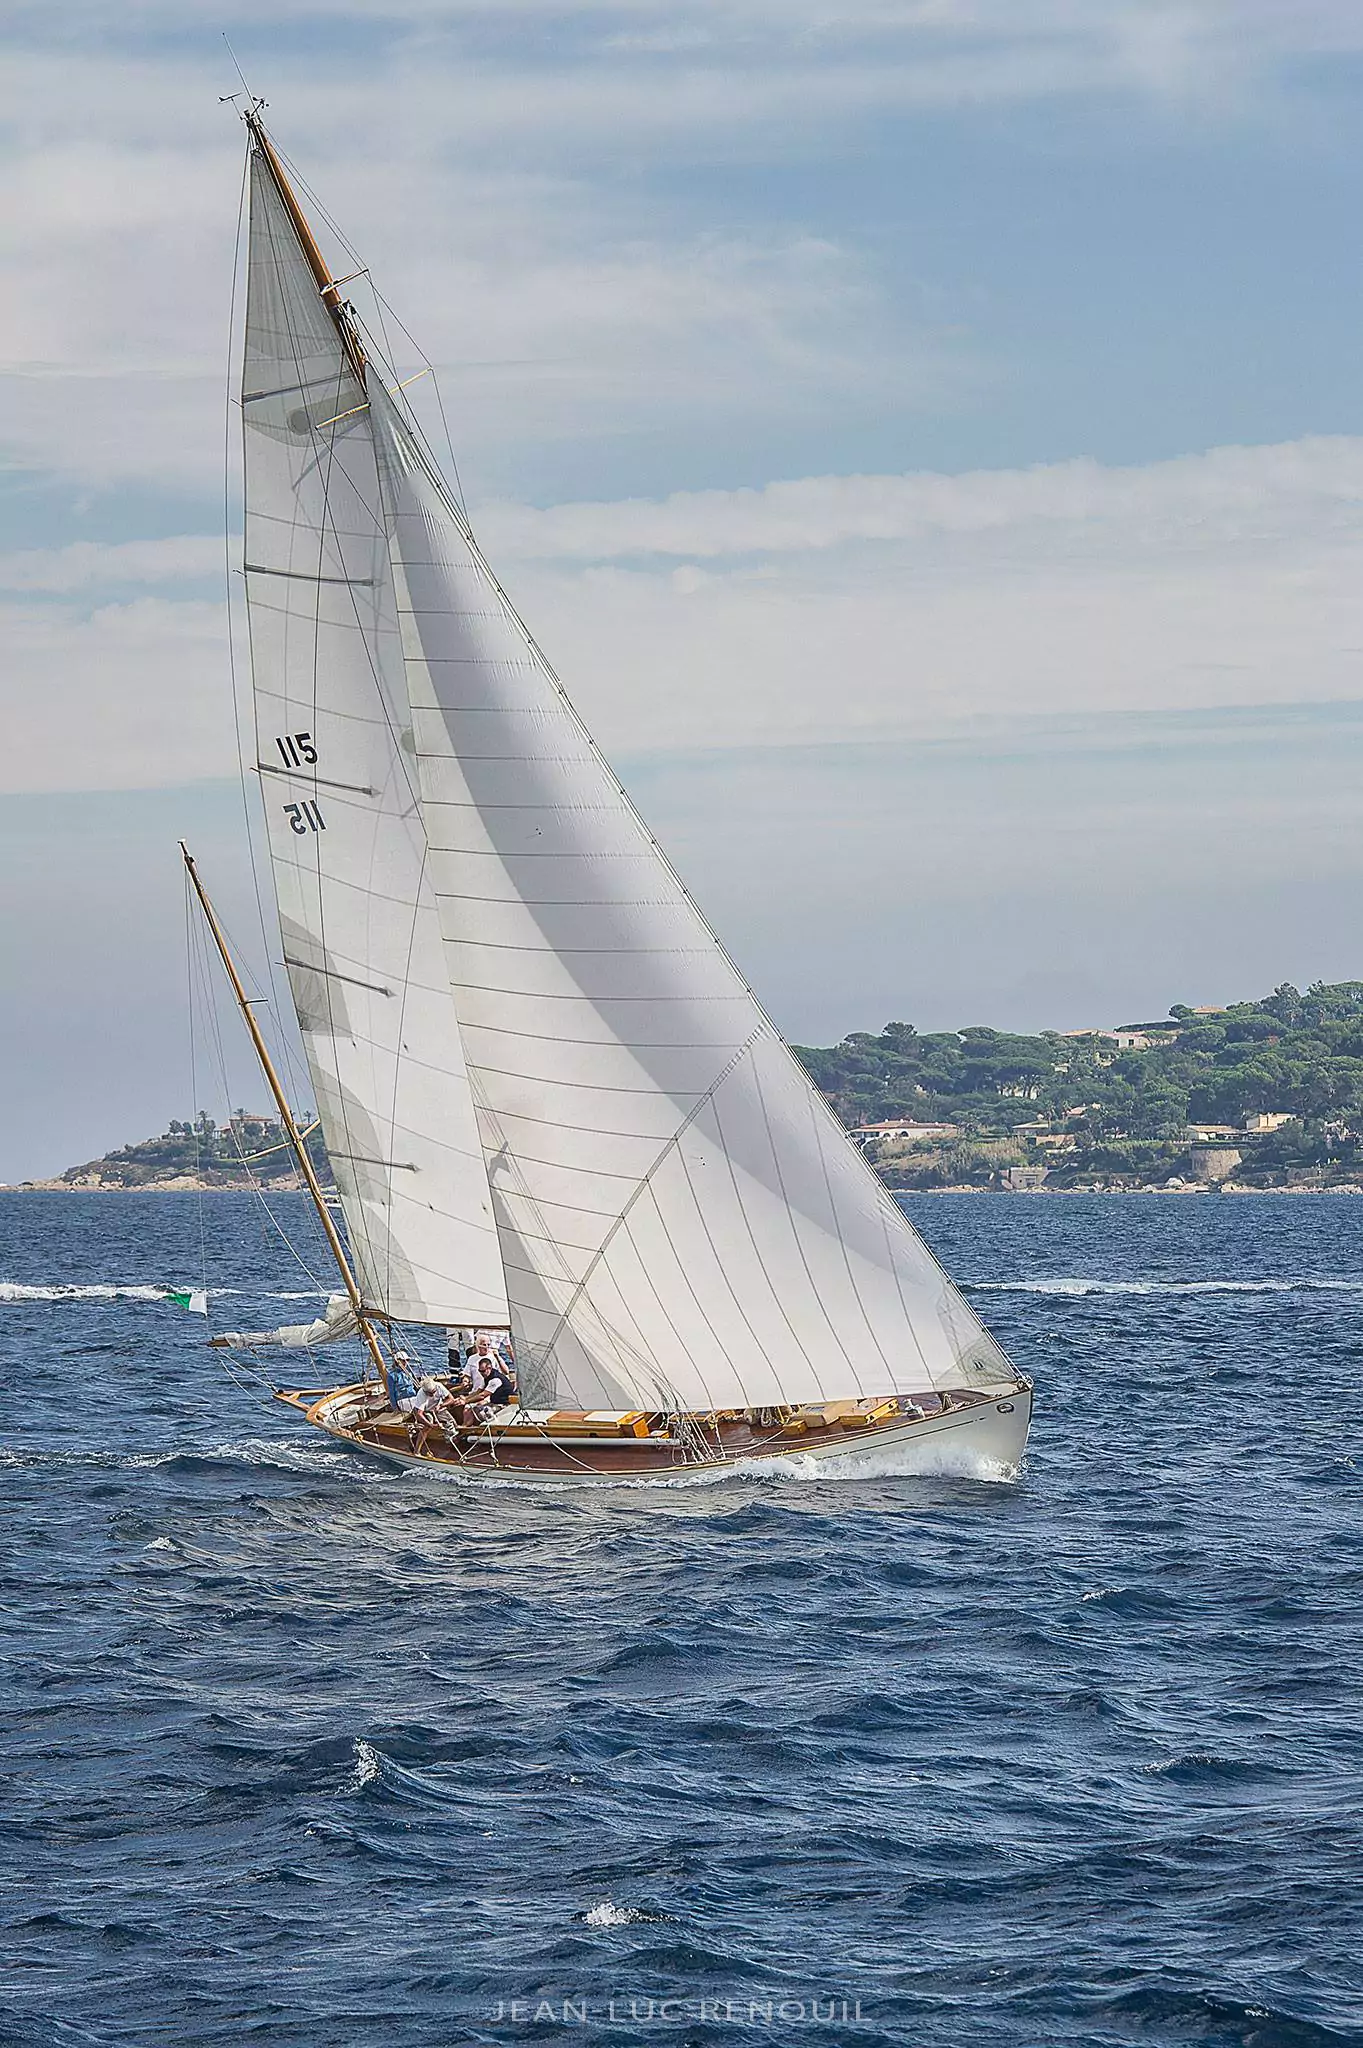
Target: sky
(926,435)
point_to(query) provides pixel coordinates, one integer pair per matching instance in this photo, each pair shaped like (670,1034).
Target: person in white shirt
(478,1364)
(486,1383)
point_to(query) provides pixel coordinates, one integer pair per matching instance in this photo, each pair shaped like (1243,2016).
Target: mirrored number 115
(305,818)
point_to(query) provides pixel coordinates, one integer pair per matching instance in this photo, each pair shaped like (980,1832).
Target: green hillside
(244,1150)
(1091,1110)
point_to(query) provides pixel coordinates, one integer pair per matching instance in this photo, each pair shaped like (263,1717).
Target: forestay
(361,938)
(683,1222)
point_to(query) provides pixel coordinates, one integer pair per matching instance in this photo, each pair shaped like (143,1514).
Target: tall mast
(327,287)
(286,1116)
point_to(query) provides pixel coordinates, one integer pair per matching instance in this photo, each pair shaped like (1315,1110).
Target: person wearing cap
(403,1393)
(435,1411)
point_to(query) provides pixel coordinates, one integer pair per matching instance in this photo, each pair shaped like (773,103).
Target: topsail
(361,940)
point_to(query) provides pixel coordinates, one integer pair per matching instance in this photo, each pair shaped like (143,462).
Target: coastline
(187,1185)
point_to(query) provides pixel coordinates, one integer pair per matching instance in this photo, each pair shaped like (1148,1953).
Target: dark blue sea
(301,1749)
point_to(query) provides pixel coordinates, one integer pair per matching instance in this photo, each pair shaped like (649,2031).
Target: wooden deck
(565,1442)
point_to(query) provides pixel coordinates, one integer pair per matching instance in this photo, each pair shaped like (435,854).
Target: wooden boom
(286,1116)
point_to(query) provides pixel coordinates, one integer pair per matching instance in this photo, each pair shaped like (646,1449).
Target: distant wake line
(1344,1285)
(109,1290)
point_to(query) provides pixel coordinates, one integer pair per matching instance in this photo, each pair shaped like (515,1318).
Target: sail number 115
(296,748)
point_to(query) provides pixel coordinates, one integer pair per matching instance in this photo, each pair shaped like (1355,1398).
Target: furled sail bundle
(340,1321)
(549,1097)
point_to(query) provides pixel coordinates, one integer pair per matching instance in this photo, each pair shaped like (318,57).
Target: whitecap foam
(368,1766)
(923,1460)
(608,1914)
(1193,1759)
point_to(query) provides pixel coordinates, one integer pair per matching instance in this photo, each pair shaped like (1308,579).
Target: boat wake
(888,1461)
(804,1468)
(246,1454)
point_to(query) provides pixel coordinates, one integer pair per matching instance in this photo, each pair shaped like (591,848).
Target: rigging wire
(383,307)
(197,972)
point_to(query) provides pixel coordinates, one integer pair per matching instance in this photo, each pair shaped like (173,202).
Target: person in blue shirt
(403,1393)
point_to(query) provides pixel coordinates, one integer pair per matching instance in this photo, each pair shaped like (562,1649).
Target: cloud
(82,565)
(1150,39)
(891,648)
(813,612)
(514,205)
(1228,493)
(557,306)
(830,607)
(1053,874)
(130,696)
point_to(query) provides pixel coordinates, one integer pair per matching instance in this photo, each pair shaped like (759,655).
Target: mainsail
(683,1222)
(362,943)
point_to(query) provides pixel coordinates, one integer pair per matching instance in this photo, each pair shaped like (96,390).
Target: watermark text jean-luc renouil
(645,2010)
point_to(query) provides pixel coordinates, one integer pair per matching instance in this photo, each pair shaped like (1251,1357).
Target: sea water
(302,1749)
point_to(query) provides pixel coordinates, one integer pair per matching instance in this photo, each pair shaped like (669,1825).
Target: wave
(1081,1287)
(248,1454)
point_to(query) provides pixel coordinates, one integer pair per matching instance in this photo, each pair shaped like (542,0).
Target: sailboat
(554,1109)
